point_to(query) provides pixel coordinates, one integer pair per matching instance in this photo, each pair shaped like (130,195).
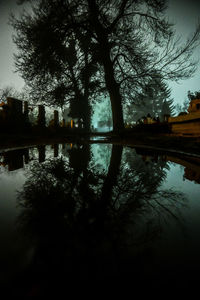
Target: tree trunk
(86,107)
(86,114)
(111,178)
(114,93)
(104,52)
(80,107)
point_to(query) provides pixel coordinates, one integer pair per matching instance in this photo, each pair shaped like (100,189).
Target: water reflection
(191,167)
(191,164)
(85,225)
(15,159)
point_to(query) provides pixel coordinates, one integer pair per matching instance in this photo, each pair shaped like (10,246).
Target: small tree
(190,96)
(9,91)
(154,99)
(195,95)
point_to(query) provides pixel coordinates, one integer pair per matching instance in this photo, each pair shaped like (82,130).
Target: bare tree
(8,91)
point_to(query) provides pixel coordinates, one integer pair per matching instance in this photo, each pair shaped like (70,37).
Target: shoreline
(158,142)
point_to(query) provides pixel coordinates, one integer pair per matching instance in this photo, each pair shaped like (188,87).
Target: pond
(98,215)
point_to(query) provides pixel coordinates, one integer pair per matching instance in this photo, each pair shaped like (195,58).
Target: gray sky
(7,47)
(184,13)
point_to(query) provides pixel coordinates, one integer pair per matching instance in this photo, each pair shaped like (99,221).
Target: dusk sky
(183,13)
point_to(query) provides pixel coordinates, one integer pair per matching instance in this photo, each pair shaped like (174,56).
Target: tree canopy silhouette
(154,99)
(126,41)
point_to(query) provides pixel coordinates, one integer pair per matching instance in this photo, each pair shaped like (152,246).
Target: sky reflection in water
(96,212)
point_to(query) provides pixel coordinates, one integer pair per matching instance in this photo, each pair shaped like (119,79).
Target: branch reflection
(88,226)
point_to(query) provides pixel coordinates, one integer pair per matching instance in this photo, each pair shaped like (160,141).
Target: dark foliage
(129,41)
(154,100)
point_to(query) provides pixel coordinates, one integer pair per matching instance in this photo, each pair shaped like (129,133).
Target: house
(189,123)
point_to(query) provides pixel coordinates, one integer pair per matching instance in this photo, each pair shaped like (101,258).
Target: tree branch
(119,16)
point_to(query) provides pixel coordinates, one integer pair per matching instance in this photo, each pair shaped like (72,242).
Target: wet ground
(74,217)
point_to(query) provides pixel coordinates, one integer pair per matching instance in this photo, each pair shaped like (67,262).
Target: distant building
(189,123)
(194,106)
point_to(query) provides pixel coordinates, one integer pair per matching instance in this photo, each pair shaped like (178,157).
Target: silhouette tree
(154,99)
(9,91)
(104,113)
(195,95)
(184,107)
(131,41)
(62,69)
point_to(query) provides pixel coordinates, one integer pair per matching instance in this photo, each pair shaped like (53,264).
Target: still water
(101,215)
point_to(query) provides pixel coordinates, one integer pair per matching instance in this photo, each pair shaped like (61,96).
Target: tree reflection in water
(89,227)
